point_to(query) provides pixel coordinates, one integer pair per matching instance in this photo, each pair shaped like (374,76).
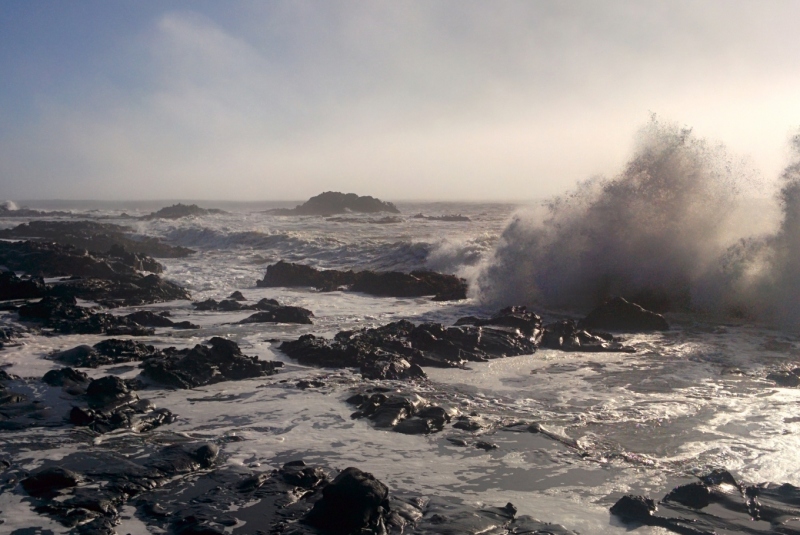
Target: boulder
(617,314)
(49,481)
(282,314)
(177,211)
(12,287)
(355,500)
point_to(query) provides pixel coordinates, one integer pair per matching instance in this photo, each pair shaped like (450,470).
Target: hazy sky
(432,99)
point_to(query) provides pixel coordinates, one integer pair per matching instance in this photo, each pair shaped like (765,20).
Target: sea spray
(648,234)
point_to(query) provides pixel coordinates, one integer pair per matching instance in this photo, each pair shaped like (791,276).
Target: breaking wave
(659,234)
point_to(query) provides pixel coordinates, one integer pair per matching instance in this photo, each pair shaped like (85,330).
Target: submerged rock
(202,365)
(334,202)
(617,314)
(566,336)
(382,284)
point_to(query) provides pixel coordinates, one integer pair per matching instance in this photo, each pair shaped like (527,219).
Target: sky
(403,100)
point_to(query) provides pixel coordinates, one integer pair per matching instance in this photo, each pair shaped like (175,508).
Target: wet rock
(110,351)
(485,446)
(299,474)
(237,296)
(785,378)
(121,290)
(305,384)
(397,350)
(66,377)
(382,284)
(566,336)
(178,211)
(108,390)
(13,287)
(617,314)
(116,240)
(65,317)
(150,319)
(49,481)
(355,500)
(404,413)
(202,365)
(282,314)
(334,202)
(696,495)
(632,508)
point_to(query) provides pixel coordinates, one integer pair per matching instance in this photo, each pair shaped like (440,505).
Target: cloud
(402,100)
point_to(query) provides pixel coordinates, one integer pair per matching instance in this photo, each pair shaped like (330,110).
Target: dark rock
(203,365)
(127,290)
(116,240)
(298,474)
(107,390)
(282,314)
(694,495)
(333,202)
(66,377)
(177,211)
(150,319)
(12,287)
(379,283)
(110,351)
(566,336)
(785,378)
(387,220)
(486,446)
(634,509)
(617,314)
(50,480)
(404,413)
(305,384)
(237,296)
(397,350)
(65,317)
(355,500)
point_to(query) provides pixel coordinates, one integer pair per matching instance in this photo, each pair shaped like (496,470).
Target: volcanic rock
(382,284)
(333,202)
(177,211)
(65,317)
(203,365)
(617,314)
(566,336)
(355,500)
(116,240)
(12,287)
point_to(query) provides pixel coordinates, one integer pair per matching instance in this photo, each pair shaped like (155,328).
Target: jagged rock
(632,508)
(333,202)
(282,314)
(12,287)
(203,365)
(116,240)
(150,319)
(355,500)
(50,480)
(566,336)
(299,474)
(397,350)
(110,351)
(66,377)
(407,413)
(65,317)
(123,290)
(177,211)
(382,284)
(617,314)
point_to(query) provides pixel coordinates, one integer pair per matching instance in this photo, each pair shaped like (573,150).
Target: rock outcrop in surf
(380,283)
(334,202)
(178,211)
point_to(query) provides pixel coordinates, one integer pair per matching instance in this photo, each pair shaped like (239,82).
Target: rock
(353,501)
(308,477)
(110,351)
(404,413)
(695,495)
(12,287)
(118,241)
(632,508)
(177,211)
(485,446)
(150,319)
(617,314)
(203,365)
(566,336)
(108,390)
(281,314)
(237,296)
(66,377)
(382,284)
(49,481)
(333,202)
(785,378)
(128,290)
(65,317)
